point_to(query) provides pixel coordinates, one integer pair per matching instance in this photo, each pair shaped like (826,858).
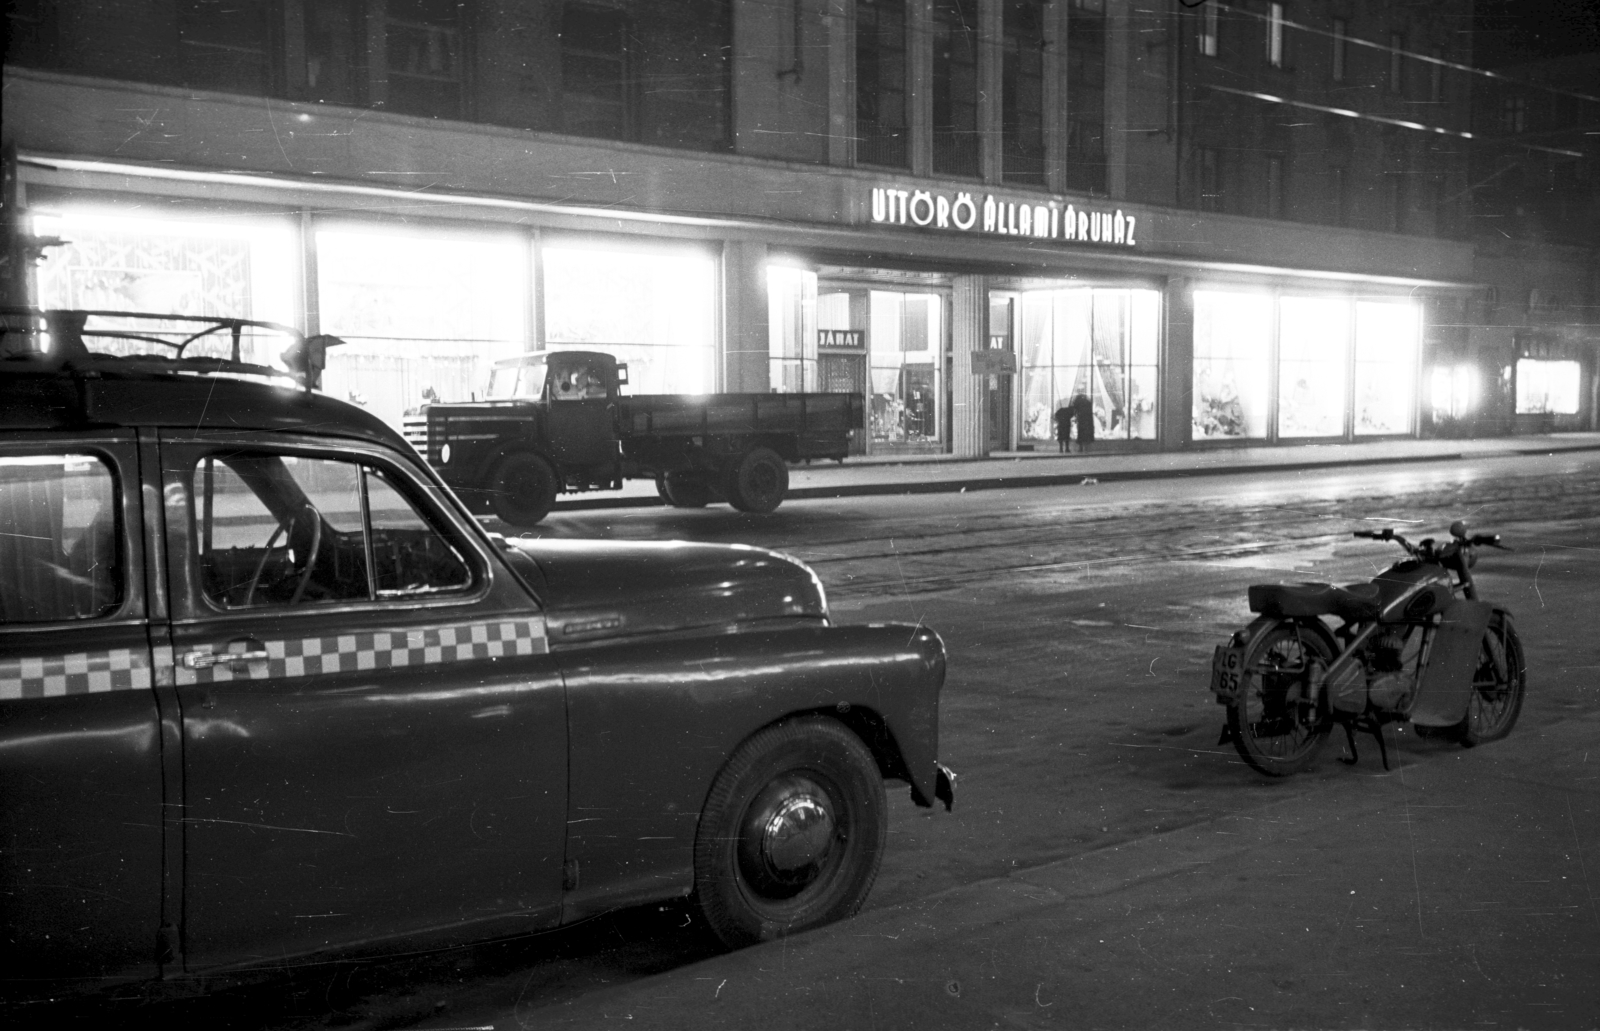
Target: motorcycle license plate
(1226,665)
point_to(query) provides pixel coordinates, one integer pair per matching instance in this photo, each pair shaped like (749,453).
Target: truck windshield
(521,380)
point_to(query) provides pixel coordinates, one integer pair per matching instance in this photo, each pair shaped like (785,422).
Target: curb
(1001,482)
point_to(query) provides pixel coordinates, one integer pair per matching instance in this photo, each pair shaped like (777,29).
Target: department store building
(836,218)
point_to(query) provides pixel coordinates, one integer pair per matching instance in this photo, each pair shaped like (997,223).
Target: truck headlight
(444,455)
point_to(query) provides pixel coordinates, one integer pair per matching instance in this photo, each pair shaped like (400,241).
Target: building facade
(1221,223)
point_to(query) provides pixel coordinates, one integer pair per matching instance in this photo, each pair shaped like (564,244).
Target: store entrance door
(845,374)
(997,391)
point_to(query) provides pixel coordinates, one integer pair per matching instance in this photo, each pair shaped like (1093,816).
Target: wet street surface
(1079,622)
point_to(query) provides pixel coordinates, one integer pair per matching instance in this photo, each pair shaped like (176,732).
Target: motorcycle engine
(1390,661)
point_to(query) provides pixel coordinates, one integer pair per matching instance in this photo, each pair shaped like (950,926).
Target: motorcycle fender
(1446,682)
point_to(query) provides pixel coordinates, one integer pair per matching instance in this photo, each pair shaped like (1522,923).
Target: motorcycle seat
(1354,602)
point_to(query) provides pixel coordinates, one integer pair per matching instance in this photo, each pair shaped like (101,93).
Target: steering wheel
(266,553)
(311,559)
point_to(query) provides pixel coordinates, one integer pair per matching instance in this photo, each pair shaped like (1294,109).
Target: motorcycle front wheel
(1278,724)
(1498,685)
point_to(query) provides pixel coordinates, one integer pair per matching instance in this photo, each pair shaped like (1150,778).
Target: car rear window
(58,539)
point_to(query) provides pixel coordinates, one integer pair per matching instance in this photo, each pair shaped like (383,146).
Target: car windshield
(524,379)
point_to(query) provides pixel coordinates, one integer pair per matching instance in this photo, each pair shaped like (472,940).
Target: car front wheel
(792,833)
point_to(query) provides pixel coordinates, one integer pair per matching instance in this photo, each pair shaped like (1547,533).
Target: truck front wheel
(523,488)
(756,481)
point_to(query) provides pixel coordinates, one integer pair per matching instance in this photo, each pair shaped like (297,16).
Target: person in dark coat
(1064,428)
(1083,412)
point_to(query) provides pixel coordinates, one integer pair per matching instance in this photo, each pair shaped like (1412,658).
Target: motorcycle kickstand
(1371,726)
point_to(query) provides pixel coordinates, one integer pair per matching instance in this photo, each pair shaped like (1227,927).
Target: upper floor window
(955,87)
(1022,93)
(1341,48)
(1274,186)
(227,45)
(651,71)
(1397,52)
(423,44)
(1436,76)
(1210,22)
(1086,96)
(1210,179)
(1513,114)
(59,549)
(1275,35)
(594,72)
(882,129)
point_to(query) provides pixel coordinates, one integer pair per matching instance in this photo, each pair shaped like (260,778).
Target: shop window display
(1098,343)
(792,329)
(1547,387)
(905,338)
(1232,344)
(1313,352)
(424,315)
(1386,358)
(113,261)
(654,308)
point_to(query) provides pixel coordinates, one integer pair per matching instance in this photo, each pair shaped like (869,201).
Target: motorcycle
(1414,644)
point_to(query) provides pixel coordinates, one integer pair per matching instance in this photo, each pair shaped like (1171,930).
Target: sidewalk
(939,473)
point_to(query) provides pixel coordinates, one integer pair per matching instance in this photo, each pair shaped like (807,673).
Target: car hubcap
(788,837)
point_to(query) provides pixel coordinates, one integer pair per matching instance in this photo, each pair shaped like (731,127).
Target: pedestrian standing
(1064,428)
(1083,412)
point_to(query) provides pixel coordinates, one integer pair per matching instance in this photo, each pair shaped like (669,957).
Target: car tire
(756,481)
(522,488)
(792,833)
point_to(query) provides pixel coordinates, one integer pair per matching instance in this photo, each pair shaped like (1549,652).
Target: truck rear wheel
(756,481)
(523,488)
(681,491)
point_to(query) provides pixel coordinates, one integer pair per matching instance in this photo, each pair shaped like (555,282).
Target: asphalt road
(1108,864)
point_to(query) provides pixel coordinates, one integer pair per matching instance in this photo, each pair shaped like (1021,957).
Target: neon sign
(962,212)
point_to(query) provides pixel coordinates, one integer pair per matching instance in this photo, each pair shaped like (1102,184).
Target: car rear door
(80,729)
(374,736)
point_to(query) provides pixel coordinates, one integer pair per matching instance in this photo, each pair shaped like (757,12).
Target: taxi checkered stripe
(124,669)
(73,673)
(384,649)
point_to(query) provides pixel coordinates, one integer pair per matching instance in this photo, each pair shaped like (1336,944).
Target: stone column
(744,325)
(991,48)
(840,17)
(969,317)
(1175,428)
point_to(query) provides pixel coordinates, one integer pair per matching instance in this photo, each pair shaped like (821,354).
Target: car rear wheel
(792,833)
(756,481)
(523,488)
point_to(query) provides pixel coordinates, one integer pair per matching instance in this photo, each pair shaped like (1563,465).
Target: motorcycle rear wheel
(1277,726)
(1498,685)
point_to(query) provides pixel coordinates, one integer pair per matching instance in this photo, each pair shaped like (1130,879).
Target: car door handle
(202,660)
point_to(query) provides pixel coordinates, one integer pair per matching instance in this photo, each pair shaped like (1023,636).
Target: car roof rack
(67,340)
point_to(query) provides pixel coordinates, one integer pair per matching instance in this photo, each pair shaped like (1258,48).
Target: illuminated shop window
(1232,340)
(792,329)
(1097,343)
(652,307)
(905,334)
(424,315)
(1454,391)
(115,261)
(1313,348)
(1386,356)
(1547,387)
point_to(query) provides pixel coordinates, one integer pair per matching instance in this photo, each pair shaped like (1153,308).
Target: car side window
(283,530)
(59,555)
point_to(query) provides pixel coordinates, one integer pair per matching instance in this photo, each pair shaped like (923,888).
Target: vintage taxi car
(268,692)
